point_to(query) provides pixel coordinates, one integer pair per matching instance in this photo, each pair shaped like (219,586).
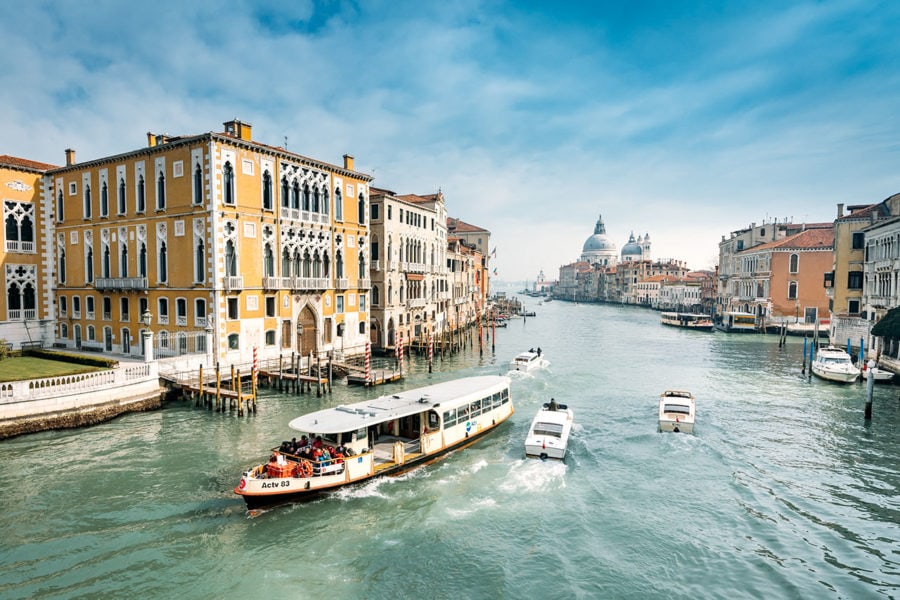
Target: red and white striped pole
(400,350)
(255,366)
(430,351)
(368,362)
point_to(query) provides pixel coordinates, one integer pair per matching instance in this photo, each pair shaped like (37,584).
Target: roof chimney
(70,157)
(840,210)
(348,162)
(238,129)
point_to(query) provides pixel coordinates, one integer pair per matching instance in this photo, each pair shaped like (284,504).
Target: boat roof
(528,355)
(349,417)
(559,415)
(677,394)
(682,314)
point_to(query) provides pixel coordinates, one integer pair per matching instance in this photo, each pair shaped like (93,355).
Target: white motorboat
(834,364)
(526,361)
(548,435)
(677,411)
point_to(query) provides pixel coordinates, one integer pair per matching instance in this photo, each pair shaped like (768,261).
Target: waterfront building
(737,241)
(474,236)
(218,243)
(845,284)
(881,289)
(647,290)
(630,273)
(570,280)
(468,284)
(636,249)
(26,308)
(781,281)
(409,268)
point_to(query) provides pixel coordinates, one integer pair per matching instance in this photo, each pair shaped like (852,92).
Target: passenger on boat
(318,442)
(539,351)
(553,405)
(304,441)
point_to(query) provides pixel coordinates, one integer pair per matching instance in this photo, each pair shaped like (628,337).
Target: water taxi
(526,361)
(737,322)
(384,436)
(677,411)
(687,320)
(548,435)
(834,364)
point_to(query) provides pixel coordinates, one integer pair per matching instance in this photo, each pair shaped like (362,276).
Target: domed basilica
(600,250)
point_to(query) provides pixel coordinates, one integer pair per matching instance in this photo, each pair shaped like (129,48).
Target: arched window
(317,264)
(89,266)
(361,209)
(295,196)
(338,205)
(161,191)
(325,202)
(123,261)
(198,184)
(306,197)
(120,201)
(285,263)
(61,275)
(268,261)
(376,296)
(87,201)
(795,263)
(200,262)
(141,195)
(228,182)
(106,262)
(285,193)
(234,341)
(104,200)
(267,190)
(307,264)
(315,204)
(163,263)
(60,206)
(792,290)
(338,264)
(326,266)
(142,260)
(230,259)
(298,261)
(362,265)
(12,229)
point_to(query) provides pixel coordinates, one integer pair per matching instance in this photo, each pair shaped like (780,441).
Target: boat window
(551,429)
(505,395)
(449,418)
(361,434)
(433,421)
(475,408)
(328,438)
(495,400)
(677,408)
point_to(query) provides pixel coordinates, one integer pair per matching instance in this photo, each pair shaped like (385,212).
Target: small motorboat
(834,364)
(548,435)
(526,361)
(677,410)
(880,375)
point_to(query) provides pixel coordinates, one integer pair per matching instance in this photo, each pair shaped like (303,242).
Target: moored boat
(548,436)
(833,364)
(687,320)
(383,436)
(526,361)
(880,375)
(677,411)
(737,322)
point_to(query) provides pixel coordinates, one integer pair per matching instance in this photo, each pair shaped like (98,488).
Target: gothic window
(298,261)
(795,260)
(361,209)
(200,262)
(285,263)
(317,265)
(106,262)
(325,202)
(376,295)
(307,264)
(104,200)
(339,265)
(123,260)
(228,182)
(87,201)
(198,184)
(338,205)
(142,261)
(306,197)
(141,195)
(61,275)
(326,266)
(161,192)
(285,193)
(89,266)
(267,190)
(362,264)
(268,261)
(315,204)
(163,266)
(60,206)
(121,201)
(231,269)
(295,196)
(792,290)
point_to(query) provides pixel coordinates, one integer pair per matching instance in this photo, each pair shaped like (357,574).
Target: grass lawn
(17,368)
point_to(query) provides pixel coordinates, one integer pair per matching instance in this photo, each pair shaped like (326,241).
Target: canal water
(783,492)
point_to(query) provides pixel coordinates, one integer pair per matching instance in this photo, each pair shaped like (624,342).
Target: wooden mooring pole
(870,389)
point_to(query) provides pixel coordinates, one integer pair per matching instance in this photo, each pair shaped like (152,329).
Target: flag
(494,253)
(495,270)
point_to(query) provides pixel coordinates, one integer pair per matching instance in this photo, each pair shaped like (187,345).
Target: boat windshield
(552,429)
(677,408)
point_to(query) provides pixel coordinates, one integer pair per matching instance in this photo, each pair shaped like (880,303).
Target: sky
(681,120)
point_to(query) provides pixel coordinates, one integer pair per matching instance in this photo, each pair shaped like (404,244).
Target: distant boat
(526,361)
(737,322)
(687,321)
(548,435)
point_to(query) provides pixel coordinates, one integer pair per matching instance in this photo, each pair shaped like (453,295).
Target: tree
(889,325)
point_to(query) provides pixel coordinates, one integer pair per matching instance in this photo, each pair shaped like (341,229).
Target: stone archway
(307,341)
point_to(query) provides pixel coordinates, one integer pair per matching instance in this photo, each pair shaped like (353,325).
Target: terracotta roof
(462,226)
(865,212)
(661,278)
(22,163)
(416,198)
(810,239)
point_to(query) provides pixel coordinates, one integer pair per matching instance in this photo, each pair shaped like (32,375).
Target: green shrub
(78,359)
(5,350)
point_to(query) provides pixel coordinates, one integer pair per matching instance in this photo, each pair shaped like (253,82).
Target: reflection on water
(784,490)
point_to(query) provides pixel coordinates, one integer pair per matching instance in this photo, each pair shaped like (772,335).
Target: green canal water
(784,491)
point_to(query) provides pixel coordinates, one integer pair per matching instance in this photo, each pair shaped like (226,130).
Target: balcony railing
(234,283)
(121,283)
(200,322)
(376,265)
(18,314)
(163,319)
(309,283)
(365,284)
(393,265)
(18,246)
(181,320)
(342,283)
(272,283)
(416,302)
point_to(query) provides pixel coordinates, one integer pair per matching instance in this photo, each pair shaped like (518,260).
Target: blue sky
(684,120)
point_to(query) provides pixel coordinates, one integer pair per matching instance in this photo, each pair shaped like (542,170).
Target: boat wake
(531,475)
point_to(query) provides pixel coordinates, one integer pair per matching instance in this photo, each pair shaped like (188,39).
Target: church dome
(632,248)
(599,249)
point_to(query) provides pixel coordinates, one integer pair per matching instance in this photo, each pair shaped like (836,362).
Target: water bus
(383,436)
(687,320)
(737,322)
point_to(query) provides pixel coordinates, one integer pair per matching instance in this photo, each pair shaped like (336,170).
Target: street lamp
(300,341)
(147,341)
(147,318)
